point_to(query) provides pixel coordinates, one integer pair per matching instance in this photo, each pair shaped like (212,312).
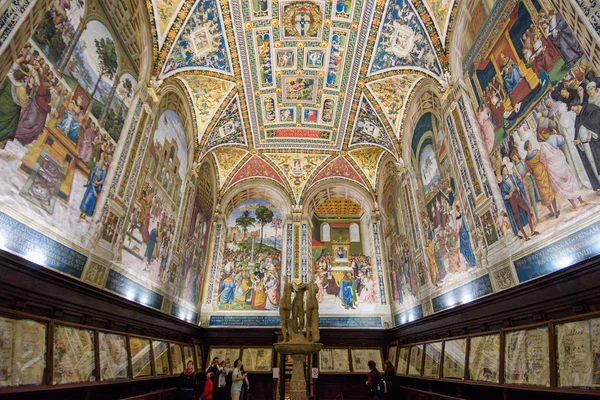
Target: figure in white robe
(488,131)
(561,175)
(583,136)
(566,125)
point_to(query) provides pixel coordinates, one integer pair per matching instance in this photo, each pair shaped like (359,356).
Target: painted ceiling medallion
(302,20)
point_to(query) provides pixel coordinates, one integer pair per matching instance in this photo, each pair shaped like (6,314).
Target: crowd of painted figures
(558,156)
(32,99)
(250,285)
(358,285)
(156,226)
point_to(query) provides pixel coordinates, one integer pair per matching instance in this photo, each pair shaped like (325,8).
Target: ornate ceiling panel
(256,167)
(165,12)
(391,93)
(229,128)
(227,158)
(297,168)
(338,207)
(368,128)
(403,42)
(339,168)
(299,61)
(368,160)
(440,9)
(201,43)
(207,94)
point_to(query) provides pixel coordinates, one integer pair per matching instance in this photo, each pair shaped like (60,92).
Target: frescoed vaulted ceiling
(299,91)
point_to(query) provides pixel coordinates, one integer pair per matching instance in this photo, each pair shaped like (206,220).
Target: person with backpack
(237,379)
(375,382)
(390,375)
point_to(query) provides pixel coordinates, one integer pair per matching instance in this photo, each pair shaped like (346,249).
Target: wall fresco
(251,267)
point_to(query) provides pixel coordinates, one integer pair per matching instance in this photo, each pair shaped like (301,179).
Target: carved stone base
(298,352)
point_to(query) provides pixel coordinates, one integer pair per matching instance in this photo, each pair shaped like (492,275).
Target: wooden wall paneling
(129,357)
(152,359)
(502,358)
(97,355)
(40,291)
(552,350)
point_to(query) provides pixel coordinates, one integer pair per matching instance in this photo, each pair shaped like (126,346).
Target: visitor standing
(373,379)
(390,374)
(207,394)
(214,368)
(237,379)
(222,389)
(187,383)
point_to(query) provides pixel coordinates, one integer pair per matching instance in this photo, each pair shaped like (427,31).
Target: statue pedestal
(298,348)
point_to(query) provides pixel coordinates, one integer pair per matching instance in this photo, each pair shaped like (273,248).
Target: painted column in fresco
(124,148)
(218,240)
(297,218)
(304,249)
(117,209)
(378,259)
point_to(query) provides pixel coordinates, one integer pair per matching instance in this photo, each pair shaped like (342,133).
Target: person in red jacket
(208,387)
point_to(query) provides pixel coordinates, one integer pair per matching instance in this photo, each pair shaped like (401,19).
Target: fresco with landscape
(151,226)
(251,268)
(61,121)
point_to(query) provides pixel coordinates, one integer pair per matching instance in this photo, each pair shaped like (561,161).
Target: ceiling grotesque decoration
(313,89)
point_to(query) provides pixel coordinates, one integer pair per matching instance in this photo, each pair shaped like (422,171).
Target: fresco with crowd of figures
(64,104)
(536,103)
(60,122)
(151,229)
(251,268)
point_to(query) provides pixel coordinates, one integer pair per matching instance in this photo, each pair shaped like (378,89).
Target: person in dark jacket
(187,383)
(390,375)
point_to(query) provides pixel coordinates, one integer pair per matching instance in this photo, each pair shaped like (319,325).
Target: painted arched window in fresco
(325,232)
(354,233)
(251,268)
(57,141)
(151,227)
(448,246)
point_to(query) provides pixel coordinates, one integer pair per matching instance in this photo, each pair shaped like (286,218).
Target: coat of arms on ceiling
(303,20)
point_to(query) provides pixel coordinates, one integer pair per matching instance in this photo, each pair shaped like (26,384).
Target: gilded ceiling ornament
(302,20)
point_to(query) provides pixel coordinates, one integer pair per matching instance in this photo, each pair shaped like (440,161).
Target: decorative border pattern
(213,263)
(304,256)
(289,250)
(460,162)
(379,264)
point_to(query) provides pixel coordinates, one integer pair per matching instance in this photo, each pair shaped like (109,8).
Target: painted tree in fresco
(107,56)
(128,86)
(245,221)
(276,223)
(264,216)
